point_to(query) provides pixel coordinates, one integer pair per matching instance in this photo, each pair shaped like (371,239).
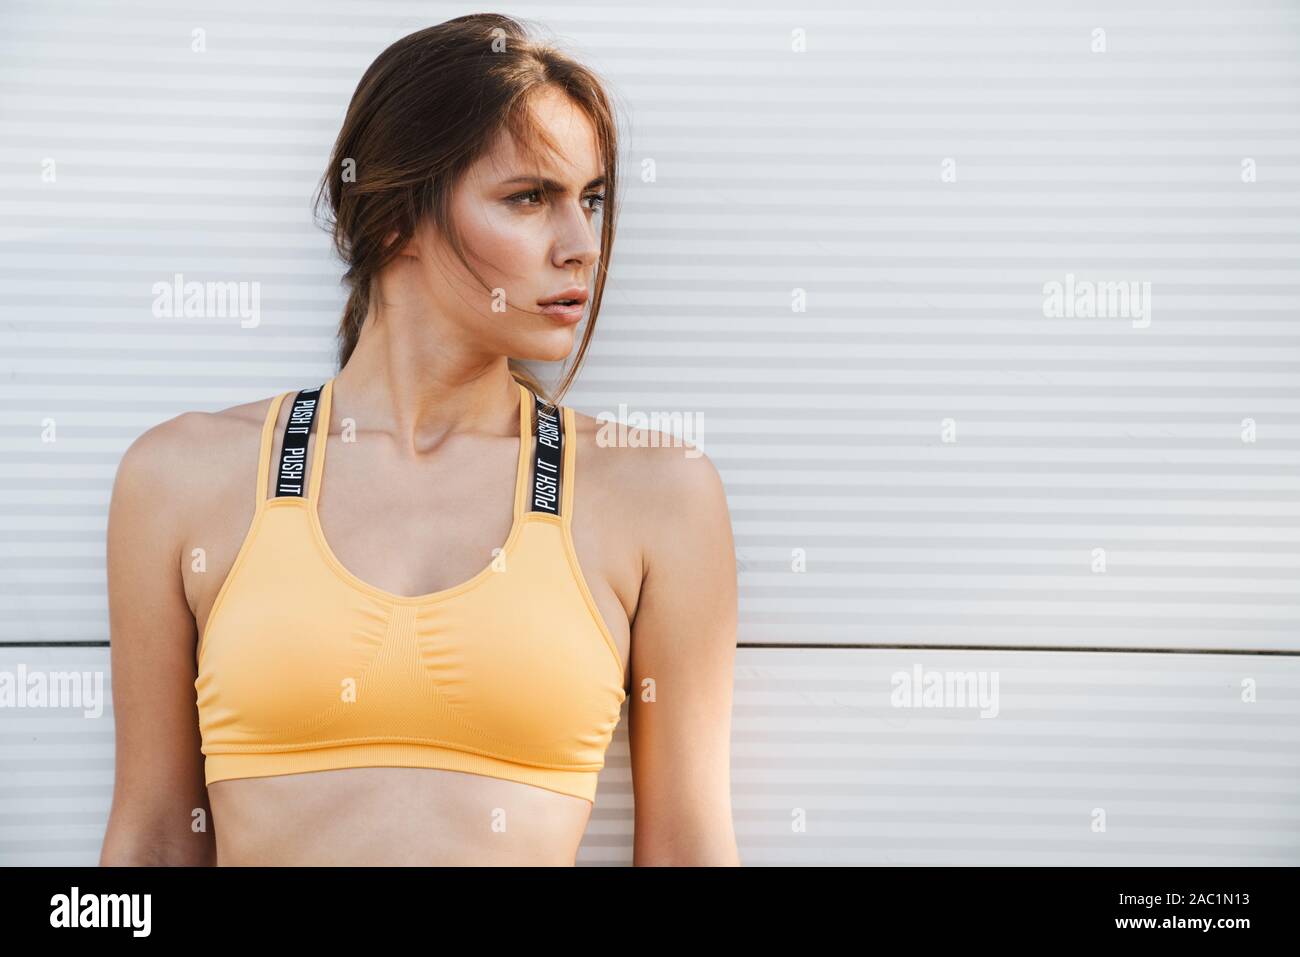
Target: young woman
(409,602)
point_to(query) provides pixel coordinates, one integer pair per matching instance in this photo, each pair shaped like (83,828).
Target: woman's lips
(567,315)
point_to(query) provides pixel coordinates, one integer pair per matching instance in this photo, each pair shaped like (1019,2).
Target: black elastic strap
(293,453)
(548,456)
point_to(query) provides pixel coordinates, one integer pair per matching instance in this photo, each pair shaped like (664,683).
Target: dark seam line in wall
(793,646)
(1060,648)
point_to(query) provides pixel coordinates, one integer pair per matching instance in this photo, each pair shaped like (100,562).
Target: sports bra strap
(264,450)
(550,490)
(293,452)
(570,429)
(545,491)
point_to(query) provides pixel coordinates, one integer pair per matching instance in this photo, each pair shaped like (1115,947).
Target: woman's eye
(597,200)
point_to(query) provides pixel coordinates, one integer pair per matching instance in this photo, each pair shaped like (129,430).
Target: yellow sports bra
(305,667)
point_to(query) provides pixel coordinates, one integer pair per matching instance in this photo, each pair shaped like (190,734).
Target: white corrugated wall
(839,233)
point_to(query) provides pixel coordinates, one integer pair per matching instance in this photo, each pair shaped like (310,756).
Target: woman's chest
(392,549)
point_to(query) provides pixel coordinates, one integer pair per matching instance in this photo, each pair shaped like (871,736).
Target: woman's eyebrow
(550,185)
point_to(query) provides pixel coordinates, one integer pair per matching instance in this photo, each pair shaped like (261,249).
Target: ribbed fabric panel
(399,754)
(537,677)
(397,693)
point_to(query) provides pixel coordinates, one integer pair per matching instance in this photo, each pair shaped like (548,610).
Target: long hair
(429,106)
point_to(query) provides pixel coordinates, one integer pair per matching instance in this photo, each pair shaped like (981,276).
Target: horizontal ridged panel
(1186,772)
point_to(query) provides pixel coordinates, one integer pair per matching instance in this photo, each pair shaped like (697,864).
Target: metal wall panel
(1085,758)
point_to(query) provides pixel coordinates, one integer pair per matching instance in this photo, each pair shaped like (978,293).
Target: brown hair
(427,108)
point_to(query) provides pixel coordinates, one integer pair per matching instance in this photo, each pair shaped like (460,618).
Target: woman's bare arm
(683,661)
(160,813)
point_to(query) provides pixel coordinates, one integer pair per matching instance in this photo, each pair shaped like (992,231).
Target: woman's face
(527,247)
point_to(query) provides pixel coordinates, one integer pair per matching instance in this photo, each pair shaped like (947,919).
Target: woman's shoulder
(656,464)
(176,443)
(182,459)
(655,493)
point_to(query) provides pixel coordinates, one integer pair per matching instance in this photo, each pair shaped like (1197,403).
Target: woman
(378,679)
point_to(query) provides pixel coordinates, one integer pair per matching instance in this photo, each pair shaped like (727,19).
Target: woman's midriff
(393,816)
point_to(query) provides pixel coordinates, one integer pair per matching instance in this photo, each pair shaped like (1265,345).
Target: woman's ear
(412,247)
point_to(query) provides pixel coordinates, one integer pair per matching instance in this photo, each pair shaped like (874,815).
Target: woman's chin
(552,345)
